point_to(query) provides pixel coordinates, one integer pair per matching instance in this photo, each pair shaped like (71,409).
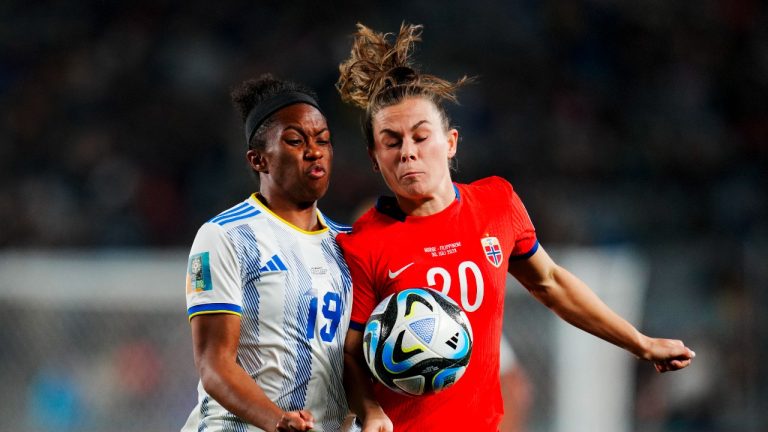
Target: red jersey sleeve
(360,269)
(526,243)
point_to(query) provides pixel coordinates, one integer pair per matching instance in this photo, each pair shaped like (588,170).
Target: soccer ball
(417,341)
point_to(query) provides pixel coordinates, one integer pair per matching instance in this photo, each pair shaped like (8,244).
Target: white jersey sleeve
(213,275)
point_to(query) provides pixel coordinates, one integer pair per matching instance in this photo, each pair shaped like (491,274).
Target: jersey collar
(388,205)
(255,196)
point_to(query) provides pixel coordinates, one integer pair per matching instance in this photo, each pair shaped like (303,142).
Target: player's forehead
(301,116)
(406,115)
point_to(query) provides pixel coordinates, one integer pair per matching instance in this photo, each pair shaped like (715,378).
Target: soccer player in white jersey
(268,293)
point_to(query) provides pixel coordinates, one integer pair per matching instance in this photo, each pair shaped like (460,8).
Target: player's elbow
(543,295)
(210,376)
(546,288)
(207,377)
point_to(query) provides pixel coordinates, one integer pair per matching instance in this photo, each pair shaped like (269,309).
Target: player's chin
(316,189)
(413,191)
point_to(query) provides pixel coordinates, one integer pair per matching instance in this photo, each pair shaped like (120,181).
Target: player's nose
(407,151)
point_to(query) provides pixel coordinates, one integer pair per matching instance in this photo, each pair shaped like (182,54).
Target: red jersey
(464,251)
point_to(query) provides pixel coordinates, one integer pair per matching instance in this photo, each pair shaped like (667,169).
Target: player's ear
(453,142)
(256,161)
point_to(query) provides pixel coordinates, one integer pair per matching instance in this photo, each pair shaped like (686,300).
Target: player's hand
(377,422)
(291,421)
(668,354)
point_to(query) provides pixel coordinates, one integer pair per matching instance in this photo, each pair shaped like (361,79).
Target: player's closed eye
(323,140)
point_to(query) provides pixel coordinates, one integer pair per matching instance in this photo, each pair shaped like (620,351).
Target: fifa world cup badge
(492,249)
(199,273)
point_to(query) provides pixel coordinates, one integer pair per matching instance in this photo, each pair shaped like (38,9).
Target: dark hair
(380,73)
(254,91)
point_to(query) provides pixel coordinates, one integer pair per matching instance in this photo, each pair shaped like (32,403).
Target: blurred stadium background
(631,129)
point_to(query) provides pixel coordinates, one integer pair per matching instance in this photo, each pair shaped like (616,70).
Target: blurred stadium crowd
(641,123)
(616,122)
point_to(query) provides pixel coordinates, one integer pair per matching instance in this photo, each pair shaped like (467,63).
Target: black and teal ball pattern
(417,341)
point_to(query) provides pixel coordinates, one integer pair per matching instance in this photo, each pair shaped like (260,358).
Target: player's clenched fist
(301,420)
(668,354)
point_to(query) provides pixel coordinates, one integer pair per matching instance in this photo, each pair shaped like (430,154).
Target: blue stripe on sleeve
(356,326)
(211,308)
(337,226)
(526,255)
(233,218)
(233,211)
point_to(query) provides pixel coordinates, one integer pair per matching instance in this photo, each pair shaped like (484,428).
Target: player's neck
(302,216)
(428,205)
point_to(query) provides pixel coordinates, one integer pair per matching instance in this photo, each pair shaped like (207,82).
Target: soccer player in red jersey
(459,238)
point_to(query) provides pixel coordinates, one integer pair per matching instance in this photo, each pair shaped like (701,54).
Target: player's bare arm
(215,338)
(572,300)
(358,386)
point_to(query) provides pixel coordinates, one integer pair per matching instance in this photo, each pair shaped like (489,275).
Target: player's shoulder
(335,228)
(238,214)
(493,186)
(223,222)
(364,230)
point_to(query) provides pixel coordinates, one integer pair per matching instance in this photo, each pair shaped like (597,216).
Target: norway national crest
(492,249)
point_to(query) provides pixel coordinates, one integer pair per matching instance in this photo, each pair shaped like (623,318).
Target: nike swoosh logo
(393,275)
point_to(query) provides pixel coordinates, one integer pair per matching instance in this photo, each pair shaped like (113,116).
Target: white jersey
(293,293)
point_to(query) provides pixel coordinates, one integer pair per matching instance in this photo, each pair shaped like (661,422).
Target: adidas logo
(453,341)
(274,264)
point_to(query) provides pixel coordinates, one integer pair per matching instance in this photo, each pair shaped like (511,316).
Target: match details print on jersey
(462,251)
(468,276)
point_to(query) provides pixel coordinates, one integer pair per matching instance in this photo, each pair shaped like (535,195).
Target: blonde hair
(380,72)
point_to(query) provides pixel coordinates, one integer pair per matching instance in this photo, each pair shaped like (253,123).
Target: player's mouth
(410,175)
(316,172)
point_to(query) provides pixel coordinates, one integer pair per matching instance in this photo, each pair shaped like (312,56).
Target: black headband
(266,108)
